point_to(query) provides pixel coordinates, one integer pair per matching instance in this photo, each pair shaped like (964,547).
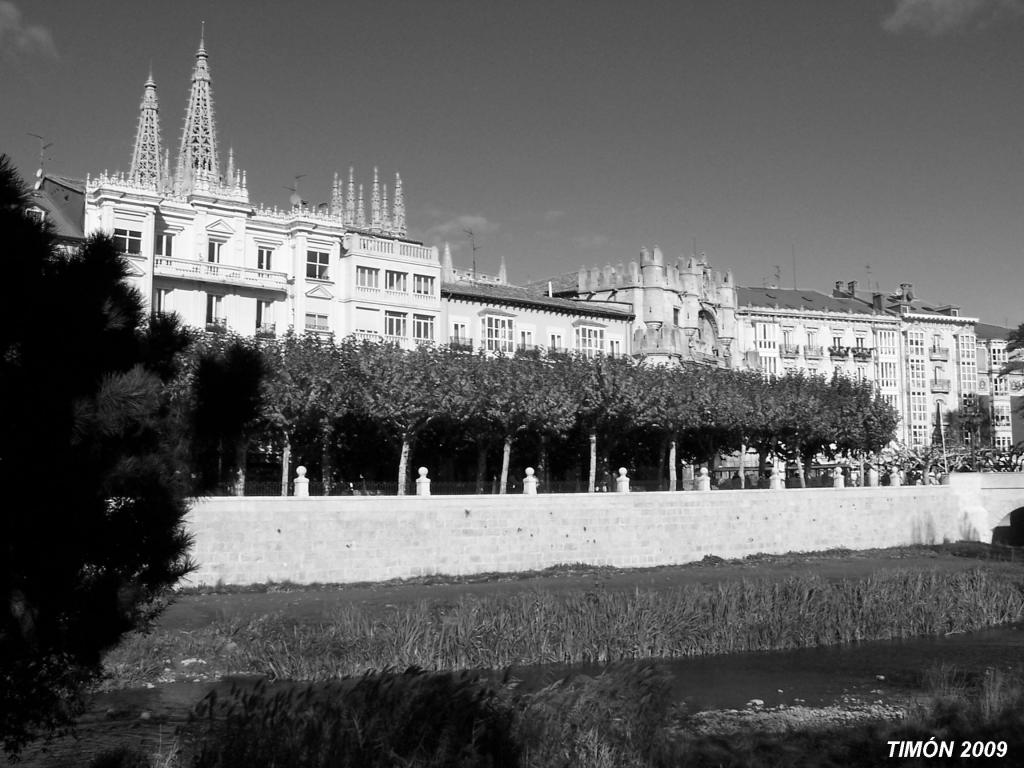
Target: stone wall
(357,538)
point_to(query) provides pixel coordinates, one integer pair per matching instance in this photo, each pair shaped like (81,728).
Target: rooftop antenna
(778,276)
(867,268)
(43,146)
(472,244)
(296,199)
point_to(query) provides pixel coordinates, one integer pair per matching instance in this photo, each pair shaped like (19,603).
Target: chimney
(852,286)
(876,301)
(838,290)
(907,291)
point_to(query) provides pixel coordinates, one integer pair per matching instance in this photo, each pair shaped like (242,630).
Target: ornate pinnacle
(385,218)
(145,169)
(375,202)
(398,219)
(360,210)
(350,199)
(337,202)
(197,156)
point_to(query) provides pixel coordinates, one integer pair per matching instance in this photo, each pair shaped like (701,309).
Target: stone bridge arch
(991,505)
(1010,529)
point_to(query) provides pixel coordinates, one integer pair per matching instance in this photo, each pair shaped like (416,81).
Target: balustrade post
(894,478)
(872,477)
(837,478)
(704,480)
(422,483)
(776,483)
(622,482)
(529,483)
(301,482)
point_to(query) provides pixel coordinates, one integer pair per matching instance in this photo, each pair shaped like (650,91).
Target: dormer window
(38,215)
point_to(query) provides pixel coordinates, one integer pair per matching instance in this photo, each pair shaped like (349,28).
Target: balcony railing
(838,353)
(938,353)
(940,385)
(813,352)
(862,353)
(219,273)
(789,350)
(460,343)
(366,336)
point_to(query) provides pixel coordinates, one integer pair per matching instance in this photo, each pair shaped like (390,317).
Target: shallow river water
(887,670)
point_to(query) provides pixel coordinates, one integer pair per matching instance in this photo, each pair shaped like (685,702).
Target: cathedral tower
(197,157)
(145,170)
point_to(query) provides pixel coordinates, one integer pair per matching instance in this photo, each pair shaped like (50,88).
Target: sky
(872,140)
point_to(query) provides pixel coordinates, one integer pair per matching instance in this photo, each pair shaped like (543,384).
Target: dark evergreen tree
(92,530)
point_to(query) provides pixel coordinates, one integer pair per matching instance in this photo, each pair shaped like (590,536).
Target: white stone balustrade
(301,482)
(704,480)
(837,478)
(422,483)
(219,273)
(530,483)
(777,481)
(622,481)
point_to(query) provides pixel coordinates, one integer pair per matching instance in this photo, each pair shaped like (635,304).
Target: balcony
(789,350)
(266,330)
(862,354)
(838,353)
(813,352)
(938,353)
(223,274)
(460,343)
(366,336)
(940,385)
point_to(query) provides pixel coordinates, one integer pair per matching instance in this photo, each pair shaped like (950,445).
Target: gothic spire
(360,210)
(385,217)
(447,268)
(337,202)
(350,200)
(398,219)
(145,169)
(197,156)
(375,202)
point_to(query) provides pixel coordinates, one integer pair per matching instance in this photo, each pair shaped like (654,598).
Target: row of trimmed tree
(349,409)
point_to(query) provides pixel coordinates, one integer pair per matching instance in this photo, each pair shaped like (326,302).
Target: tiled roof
(987,331)
(63,200)
(564,283)
(787,298)
(514,295)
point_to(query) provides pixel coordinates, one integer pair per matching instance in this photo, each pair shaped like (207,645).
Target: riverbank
(575,615)
(570,614)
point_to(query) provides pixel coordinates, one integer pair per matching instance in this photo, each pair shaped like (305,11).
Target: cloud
(20,39)
(590,242)
(551,216)
(940,17)
(455,229)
